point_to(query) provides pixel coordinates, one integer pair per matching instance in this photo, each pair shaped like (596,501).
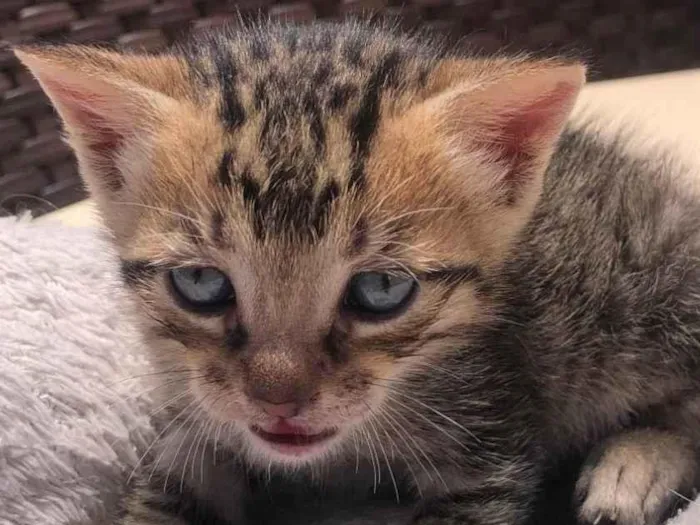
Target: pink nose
(284,410)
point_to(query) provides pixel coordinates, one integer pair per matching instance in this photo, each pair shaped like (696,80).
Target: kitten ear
(511,125)
(106,101)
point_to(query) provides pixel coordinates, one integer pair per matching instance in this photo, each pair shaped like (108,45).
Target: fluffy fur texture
(71,419)
(556,316)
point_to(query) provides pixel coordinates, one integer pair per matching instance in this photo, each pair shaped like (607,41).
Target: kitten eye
(379,293)
(201,288)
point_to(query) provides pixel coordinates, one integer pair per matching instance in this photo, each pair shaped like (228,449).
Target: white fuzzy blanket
(70,426)
(69,429)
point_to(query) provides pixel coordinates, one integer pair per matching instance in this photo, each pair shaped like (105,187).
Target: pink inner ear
(526,131)
(85,110)
(88,114)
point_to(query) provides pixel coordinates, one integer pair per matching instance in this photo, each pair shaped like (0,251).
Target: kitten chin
(370,268)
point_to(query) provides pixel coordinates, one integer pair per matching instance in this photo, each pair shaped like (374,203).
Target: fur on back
(607,279)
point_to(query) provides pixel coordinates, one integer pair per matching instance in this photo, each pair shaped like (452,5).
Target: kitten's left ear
(509,126)
(107,100)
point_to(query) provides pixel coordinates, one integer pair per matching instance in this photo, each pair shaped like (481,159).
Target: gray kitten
(374,270)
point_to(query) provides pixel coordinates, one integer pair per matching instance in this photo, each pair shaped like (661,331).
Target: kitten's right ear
(107,101)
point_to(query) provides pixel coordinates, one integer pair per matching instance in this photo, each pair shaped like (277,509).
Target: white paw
(636,478)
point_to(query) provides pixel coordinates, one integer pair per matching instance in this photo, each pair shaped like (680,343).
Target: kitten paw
(636,478)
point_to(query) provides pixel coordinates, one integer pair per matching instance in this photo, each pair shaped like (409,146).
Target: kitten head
(304,214)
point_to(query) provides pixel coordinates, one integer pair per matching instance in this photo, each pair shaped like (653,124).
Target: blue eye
(377,293)
(201,289)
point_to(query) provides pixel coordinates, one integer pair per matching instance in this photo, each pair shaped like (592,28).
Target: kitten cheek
(220,395)
(370,382)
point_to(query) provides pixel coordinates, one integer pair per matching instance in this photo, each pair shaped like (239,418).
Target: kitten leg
(634,478)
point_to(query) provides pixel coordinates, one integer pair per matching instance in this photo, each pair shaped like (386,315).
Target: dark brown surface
(620,37)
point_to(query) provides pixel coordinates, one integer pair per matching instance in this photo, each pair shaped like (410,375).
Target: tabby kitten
(372,268)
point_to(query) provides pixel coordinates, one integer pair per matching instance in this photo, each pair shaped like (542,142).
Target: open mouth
(291,439)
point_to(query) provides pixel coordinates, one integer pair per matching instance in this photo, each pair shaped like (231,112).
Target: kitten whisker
(437,412)
(445,371)
(200,438)
(389,410)
(370,421)
(155,440)
(684,498)
(162,237)
(193,446)
(397,380)
(376,453)
(427,420)
(371,450)
(217,435)
(397,449)
(191,418)
(197,405)
(357,452)
(204,441)
(163,406)
(152,389)
(169,403)
(150,374)
(393,424)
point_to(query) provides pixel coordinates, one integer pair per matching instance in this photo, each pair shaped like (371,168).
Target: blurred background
(620,38)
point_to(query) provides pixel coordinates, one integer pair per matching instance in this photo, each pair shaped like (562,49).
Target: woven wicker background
(622,37)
